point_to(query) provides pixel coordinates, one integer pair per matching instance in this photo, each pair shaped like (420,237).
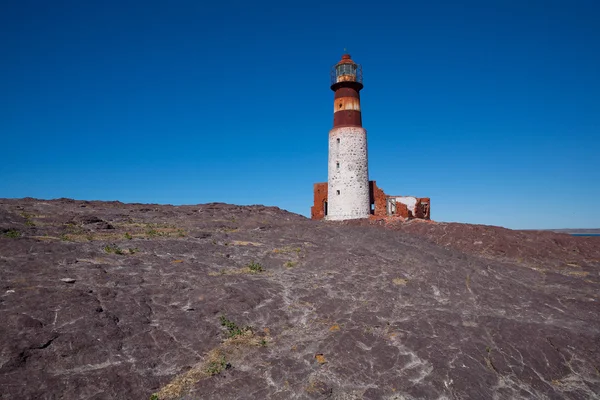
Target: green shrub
(255,267)
(12,233)
(215,367)
(232,329)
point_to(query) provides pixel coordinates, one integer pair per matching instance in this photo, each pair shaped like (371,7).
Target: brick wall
(317,211)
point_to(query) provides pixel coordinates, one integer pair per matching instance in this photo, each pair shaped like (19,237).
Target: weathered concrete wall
(348,177)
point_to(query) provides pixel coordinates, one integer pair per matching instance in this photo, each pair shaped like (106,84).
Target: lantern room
(346,71)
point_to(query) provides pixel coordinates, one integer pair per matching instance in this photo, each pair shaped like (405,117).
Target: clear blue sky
(491,108)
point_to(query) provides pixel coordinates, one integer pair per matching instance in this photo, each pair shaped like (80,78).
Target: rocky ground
(104,300)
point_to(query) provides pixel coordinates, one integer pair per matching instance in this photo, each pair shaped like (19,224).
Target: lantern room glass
(345,69)
(346,72)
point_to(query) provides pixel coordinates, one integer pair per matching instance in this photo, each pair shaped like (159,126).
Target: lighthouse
(348,193)
(348,172)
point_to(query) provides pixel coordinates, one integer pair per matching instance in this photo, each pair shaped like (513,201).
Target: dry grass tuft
(320,358)
(400,281)
(288,249)
(244,243)
(578,273)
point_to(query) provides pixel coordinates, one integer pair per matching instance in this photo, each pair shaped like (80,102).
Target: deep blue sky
(491,108)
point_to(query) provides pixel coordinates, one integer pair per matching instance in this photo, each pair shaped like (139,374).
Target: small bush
(133,250)
(12,233)
(215,367)
(154,396)
(255,267)
(128,236)
(232,329)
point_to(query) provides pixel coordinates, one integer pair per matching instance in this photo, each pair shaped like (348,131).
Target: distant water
(585,234)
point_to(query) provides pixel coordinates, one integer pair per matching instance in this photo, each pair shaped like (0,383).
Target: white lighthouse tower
(348,174)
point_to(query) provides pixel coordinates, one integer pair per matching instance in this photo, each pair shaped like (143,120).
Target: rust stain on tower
(346,82)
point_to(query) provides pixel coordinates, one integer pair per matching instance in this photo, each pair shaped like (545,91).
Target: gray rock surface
(333,310)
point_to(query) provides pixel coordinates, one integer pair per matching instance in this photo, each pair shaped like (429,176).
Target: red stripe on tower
(346,82)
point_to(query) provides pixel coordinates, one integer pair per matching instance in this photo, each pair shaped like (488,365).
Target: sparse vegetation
(154,396)
(133,250)
(12,233)
(233,329)
(128,236)
(255,267)
(216,366)
(152,232)
(28,220)
(290,264)
(74,228)
(113,249)
(288,249)
(215,360)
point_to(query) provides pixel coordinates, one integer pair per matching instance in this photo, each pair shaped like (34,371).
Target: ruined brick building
(348,192)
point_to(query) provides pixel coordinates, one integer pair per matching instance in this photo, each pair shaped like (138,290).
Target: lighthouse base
(381,205)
